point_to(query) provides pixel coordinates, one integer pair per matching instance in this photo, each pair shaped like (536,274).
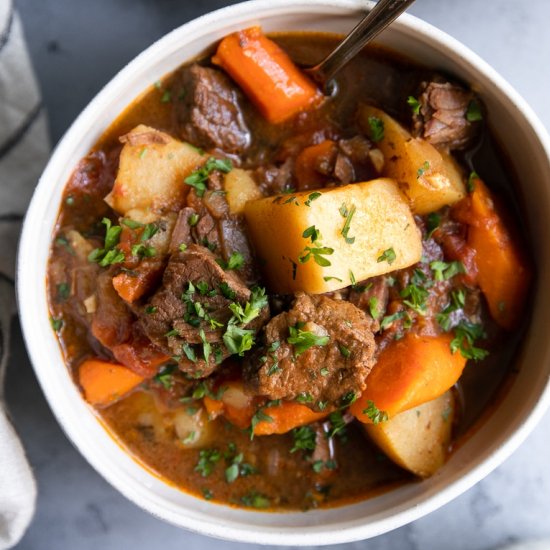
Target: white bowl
(522,135)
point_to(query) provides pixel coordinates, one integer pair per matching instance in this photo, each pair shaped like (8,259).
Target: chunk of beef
(187,316)
(112,320)
(218,230)
(442,119)
(210,115)
(182,230)
(371,296)
(323,374)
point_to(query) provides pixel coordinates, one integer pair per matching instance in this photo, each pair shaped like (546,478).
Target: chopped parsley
(302,340)
(471,181)
(164,376)
(432,223)
(261,416)
(255,500)
(415,296)
(387,256)
(422,170)
(238,340)
(166,96)
(193,219)
(208,458)
(376,126)
(57,324)
(319,465)
(63,291)
(311,197)
(373,307)
(311,233)
(109,254)
(458,300)
(337,425)
(198,178)
(344,350)
(227,291)
(318,254)
(236,261)
(444,271)
(414,104)
(348,215)
(465,335)
(473,114)
(390,319)
(304,439)
(238,468)
(252,308)
(374,413)
(142,251)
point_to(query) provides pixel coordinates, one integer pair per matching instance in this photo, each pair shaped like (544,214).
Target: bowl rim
(314,534)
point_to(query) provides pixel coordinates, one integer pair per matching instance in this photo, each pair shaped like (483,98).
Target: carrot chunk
(503,271)
(266,74)
(409,372)
(285,417)
(104,382)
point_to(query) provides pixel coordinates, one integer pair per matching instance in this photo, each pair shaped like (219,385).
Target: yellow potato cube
(151,171)
(240,188)
(418,439)
(429,178)
(320,241)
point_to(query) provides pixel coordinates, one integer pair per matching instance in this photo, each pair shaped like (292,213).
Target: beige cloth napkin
(24,147)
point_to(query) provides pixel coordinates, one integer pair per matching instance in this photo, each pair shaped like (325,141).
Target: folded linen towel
(24,147)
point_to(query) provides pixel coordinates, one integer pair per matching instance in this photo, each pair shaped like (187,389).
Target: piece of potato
(192,427)
(429,178)
(151,171)
(418,439)
(240,188)
(382,222)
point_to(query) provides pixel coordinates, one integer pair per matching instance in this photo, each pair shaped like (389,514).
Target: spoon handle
(376,20)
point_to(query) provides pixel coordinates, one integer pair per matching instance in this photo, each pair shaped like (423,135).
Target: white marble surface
(77,46)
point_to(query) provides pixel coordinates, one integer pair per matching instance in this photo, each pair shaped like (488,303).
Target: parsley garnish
(164,376)
(311,197)
(63,291)
(390,319)
(444,271)
(252,309)
(193,219)
(423,169)
(236,261)
(199,177)
(311,233)
(374,413)
(376,126)
(465,336)
(348,215)
(458,300)
(387,256)
(337,424)
(302,340)
(414,104)
(255,500)
(208,458)
(432,223)
(238,340)
(373,307)
(473,114)
(109,254)
(304,439)
(227,291)
(56,324)
(318,252)
(471,181)
(344,351)
(415,296)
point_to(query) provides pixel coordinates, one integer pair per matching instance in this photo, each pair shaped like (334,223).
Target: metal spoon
(376,20)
